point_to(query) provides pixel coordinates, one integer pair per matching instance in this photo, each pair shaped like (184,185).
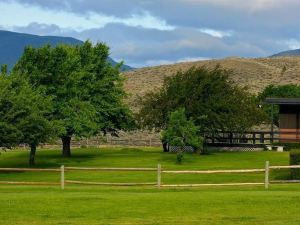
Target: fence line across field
(159,171)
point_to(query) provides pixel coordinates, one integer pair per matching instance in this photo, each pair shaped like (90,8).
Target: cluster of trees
(68,91)
(203,100)
(61,91)
(210,99)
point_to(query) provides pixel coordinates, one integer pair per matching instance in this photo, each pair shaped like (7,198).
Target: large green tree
(86,90)
(208,96)
(23,115)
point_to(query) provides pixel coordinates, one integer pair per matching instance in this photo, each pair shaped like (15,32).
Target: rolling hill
(255,74)
(12,45)
(295,52)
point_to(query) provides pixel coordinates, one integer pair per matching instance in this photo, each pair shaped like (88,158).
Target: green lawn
(147,205)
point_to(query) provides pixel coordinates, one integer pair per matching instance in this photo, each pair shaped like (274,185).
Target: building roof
(283,101)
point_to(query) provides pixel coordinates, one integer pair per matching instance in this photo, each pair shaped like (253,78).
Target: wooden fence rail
(213,171)
(158,183)
(210,185)
(28,170)
(109,184)
(250,137)
(110,169)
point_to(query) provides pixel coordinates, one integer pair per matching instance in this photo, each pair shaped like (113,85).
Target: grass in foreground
(93,205)
(104,205)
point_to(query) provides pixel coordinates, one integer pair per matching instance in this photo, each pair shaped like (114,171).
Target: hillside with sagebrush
(255,74)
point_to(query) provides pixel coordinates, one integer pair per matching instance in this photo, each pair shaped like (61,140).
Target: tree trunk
(165,146)
(66,140)
(32,155)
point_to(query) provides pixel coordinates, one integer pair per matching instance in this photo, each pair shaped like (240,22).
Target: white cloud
(249,5)
(67,20)
(155,62)
(153,32)
(293,43)
(216,33)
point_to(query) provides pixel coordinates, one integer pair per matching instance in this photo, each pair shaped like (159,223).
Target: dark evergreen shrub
(295,160)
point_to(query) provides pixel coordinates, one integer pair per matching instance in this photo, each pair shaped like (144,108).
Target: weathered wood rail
(159,171)
(252,138)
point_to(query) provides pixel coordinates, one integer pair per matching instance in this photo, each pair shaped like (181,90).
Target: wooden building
(289,118)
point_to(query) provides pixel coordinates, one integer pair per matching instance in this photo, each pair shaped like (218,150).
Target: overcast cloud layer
(152,32)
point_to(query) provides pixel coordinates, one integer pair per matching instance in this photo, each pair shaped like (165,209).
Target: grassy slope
(252,73)
(103,205)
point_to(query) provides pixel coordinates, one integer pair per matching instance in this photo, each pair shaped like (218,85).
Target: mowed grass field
(147,205)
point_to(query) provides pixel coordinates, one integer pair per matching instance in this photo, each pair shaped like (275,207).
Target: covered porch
(287,131)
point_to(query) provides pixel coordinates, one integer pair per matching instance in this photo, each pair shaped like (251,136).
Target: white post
(62,177)
(158,176)
(267,170)
(150,142)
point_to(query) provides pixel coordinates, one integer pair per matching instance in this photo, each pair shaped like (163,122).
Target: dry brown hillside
(254,73)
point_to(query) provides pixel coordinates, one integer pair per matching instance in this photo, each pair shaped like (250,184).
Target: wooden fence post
(158,176)
(267,170)
(62,177)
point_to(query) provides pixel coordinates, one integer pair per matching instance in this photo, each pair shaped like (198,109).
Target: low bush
(179,157)
(295,160)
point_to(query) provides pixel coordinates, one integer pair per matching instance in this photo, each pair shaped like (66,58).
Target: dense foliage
(279,91)
(181,132)
(23,115)
(86,91)
(208,96)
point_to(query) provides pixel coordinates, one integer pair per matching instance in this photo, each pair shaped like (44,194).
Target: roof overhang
(283,101)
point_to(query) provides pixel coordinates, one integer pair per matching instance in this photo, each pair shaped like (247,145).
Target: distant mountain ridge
(295,52)
(12,45)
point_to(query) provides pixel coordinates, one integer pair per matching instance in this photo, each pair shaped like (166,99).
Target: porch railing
(252,137)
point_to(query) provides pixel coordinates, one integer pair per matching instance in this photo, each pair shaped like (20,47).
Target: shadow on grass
(46,159)
(133,150)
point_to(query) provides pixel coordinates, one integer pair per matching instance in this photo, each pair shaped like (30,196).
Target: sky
(154,32)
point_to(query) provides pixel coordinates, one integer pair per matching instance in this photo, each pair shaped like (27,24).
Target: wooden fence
(159,171)
(259,138)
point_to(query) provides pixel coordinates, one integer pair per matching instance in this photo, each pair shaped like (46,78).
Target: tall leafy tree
(23,115)
(86,90)
(208,96)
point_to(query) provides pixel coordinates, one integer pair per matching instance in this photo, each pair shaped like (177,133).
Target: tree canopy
(23,115)
(86,91)
(208,96)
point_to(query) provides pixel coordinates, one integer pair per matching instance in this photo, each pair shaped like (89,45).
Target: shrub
(181,132)
(179,157)
(295,160)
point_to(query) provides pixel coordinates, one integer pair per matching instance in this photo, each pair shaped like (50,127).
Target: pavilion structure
(289,118)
